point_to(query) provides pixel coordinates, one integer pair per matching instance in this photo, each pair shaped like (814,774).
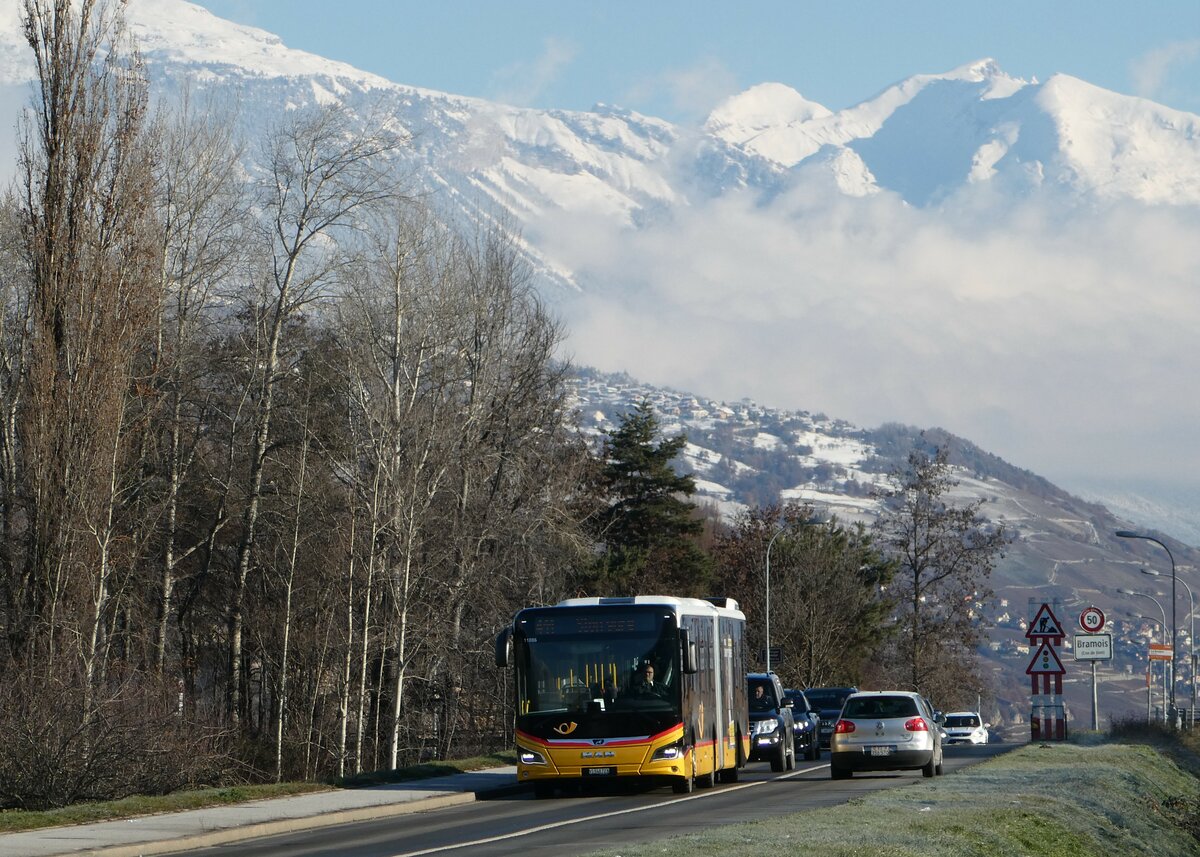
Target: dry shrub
(65,746)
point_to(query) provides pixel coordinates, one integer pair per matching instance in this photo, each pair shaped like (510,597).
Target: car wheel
(928,769)
(836,773)
(814,750)
(940,769)
(779,757)
(791,762)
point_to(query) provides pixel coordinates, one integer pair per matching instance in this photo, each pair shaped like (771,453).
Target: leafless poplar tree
(321,173)
(87,207)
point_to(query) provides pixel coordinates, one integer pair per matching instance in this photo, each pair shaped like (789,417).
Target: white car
(965,727)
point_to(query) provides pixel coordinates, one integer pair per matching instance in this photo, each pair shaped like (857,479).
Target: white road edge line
(571,821)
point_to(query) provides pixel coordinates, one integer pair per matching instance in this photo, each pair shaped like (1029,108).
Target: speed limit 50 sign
(1091,620)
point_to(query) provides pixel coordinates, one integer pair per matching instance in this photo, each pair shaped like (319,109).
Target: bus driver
(644,684)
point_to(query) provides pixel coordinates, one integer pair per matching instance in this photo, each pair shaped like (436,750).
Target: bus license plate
(599,772)
(880,750)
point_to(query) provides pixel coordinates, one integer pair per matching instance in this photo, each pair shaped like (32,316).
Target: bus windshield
(597,660)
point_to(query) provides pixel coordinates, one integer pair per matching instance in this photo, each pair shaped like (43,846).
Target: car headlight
(763,727)
(530,757)
(803,725)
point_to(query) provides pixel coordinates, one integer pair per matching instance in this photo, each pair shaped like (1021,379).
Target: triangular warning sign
(1045,626)
(1045,661)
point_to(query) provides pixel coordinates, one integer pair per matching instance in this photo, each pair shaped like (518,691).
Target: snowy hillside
(743,454)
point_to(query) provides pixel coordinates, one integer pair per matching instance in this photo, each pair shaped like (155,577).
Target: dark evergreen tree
(648,526)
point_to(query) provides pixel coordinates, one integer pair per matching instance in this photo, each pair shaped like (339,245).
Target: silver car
(886,730)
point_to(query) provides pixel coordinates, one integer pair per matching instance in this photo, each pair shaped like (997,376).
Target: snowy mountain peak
(767,105)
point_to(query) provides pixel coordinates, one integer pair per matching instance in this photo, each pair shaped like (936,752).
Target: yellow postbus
(645,686)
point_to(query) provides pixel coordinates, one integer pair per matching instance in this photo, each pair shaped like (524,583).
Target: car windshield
(961,721)
(799,703)
(762,695)
(880,706)
(826,698)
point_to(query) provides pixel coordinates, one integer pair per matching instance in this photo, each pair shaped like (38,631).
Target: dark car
(772,730)
(828,702)
(807,724)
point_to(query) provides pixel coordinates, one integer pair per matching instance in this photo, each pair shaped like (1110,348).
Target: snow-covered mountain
(922,138)
(923,141)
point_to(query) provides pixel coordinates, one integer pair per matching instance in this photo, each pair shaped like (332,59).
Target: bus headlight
(530,757)
(671,751)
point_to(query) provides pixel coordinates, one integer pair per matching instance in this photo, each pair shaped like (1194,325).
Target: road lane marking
(614,813)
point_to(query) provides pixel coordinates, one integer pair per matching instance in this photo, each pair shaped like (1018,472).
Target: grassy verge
(12,821)
(1058,800)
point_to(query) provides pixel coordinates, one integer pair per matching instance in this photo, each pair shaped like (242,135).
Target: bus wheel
(541,791)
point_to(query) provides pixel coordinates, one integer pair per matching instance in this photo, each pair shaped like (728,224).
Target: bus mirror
(504,648)
(688,650)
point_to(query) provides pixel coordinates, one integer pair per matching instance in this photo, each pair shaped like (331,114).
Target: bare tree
(203,221)
(15,328)
(87,194)
(944,555)
(397,314)
(827,614)
(320,175)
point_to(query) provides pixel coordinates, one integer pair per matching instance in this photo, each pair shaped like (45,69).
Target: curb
(501,792)
(272,828)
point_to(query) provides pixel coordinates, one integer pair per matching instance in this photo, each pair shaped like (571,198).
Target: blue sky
(676,59)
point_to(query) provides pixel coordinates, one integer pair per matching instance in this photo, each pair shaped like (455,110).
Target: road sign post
(1047,717)
(1093,646)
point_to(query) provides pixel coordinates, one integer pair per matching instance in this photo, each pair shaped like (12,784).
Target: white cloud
(521,84)
(1060,338)
(1151,70)
(691,92)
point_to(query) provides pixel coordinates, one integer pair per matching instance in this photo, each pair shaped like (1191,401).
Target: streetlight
(1130,534)
(1191,637)
(1150,668)
(1162,625)
(784,527)
(770,545)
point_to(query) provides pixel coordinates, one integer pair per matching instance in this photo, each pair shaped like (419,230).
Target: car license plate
(599,772)
(880,750)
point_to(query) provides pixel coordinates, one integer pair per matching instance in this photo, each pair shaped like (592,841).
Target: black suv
(772,731)
(808,725)
(828,702)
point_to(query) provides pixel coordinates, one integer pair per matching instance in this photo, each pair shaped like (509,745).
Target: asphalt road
(586,823)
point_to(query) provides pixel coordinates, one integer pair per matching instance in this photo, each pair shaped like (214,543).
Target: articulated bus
(586,711)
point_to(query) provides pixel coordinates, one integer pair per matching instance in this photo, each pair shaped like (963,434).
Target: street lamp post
(1162,625)
(770,545)
(1191,639)
(1150,670)
(1130,534)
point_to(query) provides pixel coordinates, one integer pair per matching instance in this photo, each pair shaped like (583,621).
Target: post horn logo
(566,728)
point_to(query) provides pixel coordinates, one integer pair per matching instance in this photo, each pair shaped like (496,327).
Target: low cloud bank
(1065,339)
